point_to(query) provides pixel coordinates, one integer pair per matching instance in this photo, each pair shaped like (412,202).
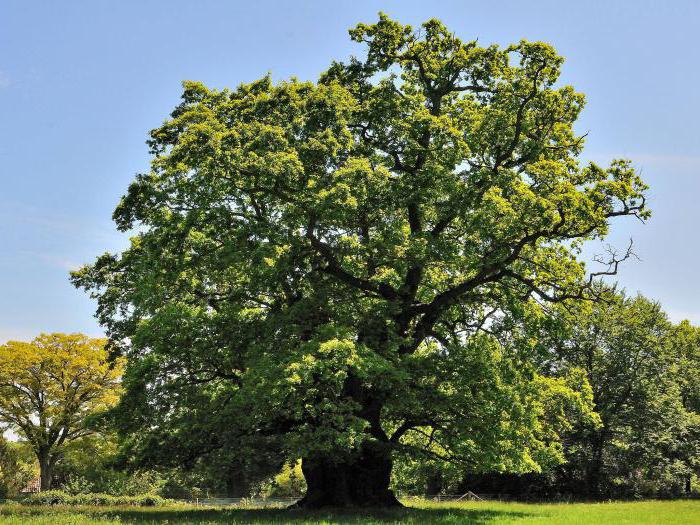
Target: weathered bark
(360,482)
(46,464)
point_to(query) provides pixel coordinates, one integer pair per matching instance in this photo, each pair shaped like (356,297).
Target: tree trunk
(237,484)
(434,483)
(360,482)
(45,471)
(595,467)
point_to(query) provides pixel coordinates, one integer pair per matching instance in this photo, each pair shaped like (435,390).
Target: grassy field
(476,513)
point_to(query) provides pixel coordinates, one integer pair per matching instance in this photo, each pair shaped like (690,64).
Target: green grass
(419,512)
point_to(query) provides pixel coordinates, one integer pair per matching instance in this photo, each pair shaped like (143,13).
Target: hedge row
(58,497)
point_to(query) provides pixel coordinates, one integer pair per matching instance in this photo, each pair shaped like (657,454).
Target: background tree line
(643,375)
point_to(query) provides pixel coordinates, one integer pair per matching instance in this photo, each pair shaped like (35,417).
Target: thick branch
(333,268)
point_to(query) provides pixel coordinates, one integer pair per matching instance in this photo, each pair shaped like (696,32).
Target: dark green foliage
(649,440)
(15,471)
(314,265)
(643,371)
(58,497)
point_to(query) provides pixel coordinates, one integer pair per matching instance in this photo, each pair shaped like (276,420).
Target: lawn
(420,512)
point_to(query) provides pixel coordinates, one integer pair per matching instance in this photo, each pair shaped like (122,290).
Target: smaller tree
(14,473)
(642,372)
(50,386)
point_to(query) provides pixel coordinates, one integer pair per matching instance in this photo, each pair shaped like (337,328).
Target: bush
(148,500)
(132,483)
(49,497)
(15,473)
(288,483)
(96,499)
(78,485)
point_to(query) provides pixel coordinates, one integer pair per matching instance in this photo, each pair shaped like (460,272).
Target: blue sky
(81,83)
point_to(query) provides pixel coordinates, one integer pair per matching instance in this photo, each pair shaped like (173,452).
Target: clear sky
(82,82)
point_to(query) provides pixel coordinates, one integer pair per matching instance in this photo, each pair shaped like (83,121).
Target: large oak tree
(314,264)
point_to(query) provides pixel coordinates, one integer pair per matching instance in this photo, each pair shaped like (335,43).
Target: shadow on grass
(438,516)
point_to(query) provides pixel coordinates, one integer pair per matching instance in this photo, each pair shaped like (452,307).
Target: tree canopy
(316,264)
(14,474)
(639,366)
(50,386)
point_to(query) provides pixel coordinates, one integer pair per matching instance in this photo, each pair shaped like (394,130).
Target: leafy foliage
(57,497)
(14,472)
(314,265)
(50,387)
(640,368)
(648,443)
(288,483)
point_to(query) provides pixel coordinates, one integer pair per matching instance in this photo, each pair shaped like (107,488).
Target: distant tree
(316,263)
(684,343)
(643,373)
(49,387)
(14,473)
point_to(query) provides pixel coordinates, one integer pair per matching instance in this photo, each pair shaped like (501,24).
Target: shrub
(96,499)
(288,483)
(133,483)
(15,473)
(78,485)
(149,500)
(49,497)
